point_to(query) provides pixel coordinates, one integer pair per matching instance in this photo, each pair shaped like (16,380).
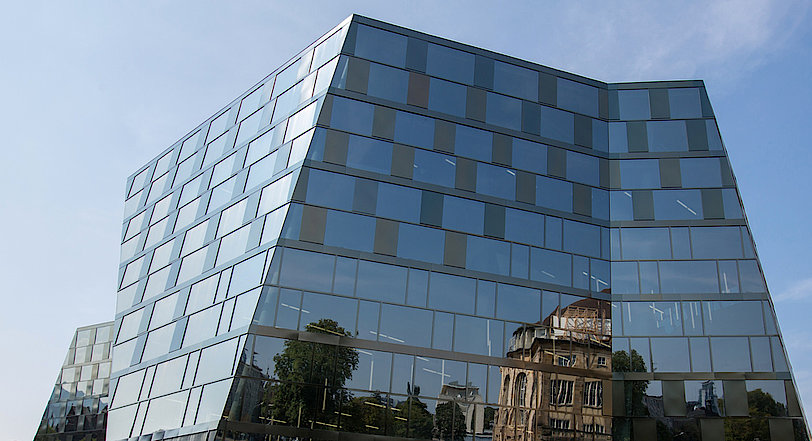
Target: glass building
(397,236)
(77,409)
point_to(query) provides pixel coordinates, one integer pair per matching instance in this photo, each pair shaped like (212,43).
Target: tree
(761,405)
(311,379)
(449,423)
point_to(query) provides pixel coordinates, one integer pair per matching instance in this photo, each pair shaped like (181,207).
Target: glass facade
(396,236)
(78,405)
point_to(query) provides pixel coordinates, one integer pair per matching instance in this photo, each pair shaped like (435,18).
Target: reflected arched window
(520,397)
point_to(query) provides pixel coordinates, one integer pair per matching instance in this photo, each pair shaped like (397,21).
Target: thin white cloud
(798,291)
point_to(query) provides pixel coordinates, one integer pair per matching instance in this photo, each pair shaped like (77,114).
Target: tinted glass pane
(667,136)
(689,277)
(583,168)
(716,242)
(503,111)
(369,154)
(450,64)
(379,45)
(352,116)
(640,173)
(387,83)
(732,317)
(577,97)
(677,204)
(396,202)
(529,156)
(377,281)
(553,193)
(463,215)
(633,104)
(420,243)
(473,143)
(652,318)
(700,172)
(557,124)
(414,129)
(645,243)
(447,97)
(515,80)
(434,168)
(496,181)
(488,255)
(452,293)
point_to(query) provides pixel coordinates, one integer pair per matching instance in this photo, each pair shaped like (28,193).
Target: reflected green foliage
(634,390)
(449,422)
(420,420)
(294,403)
(761,406)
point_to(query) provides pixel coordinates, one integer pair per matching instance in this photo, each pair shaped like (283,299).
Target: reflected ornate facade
(396,236)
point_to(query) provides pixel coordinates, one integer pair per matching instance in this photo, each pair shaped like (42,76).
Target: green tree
(449,423)
(311,379)
(761,405)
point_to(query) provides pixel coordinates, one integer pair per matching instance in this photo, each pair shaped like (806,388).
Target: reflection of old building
(470,402)
(563,400)
(707,401)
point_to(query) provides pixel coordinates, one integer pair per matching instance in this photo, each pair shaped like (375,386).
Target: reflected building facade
(399,236)
(77,409)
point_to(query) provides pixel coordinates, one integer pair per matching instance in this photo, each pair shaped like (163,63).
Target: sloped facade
(399,236)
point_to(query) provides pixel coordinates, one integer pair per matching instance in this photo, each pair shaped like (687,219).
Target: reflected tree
(761,406)
(449,422)
(311,379)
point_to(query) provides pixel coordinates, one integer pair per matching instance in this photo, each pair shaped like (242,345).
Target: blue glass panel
(369,154)
(496,181)
(387,83)
(751,279)
(640,173)
(732,317)
(730,199)
(670,355)
(679,277)
(414,129)
(450,64)
(620,205)
(618,138)
(716,242)
(316,307)
(600,135)
(306,270)
(577,97)
(581,238)
(347,230)
(583,168)
(378,281)
(550,266)
(600,204)
(402,325)
(452,293)
(396,202)
(447,97)
(463,215)
(330,190)
(473,143)
(421,243)
(503,111)
(633,104)
(645,243)
(667,136)
(524,226)
(514,80)
(518,303)
(553,193)
(685,103)
(625,279)
(378,45)
(677,204)
(434,168)
(700,172)
(352,116)
(557,124)
(488,255)
(530,156)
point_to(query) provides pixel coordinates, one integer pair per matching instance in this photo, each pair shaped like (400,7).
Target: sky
(93,90)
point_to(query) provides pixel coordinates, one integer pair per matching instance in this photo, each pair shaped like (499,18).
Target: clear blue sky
(92,90)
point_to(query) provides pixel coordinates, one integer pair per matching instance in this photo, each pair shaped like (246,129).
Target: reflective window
(447,97)
(677,204)
(369,154)
(434,168)
(530,156)
(403,325)
(450,64)
(633,104)
(620,205)
(352,116)
(518,303)
(452,293)
(577,97)
(212,401)
(550,266)
(306,270)
(158,342)
(583,168)
(645,243)
(684,103)
(330,190)
(651,318)
(688,277)
(751,279)
(581,238)
(488,255)
(732,317)
(413,129)
(700,172)
(524,226)
(400,203)
(389,83)
(216,362)
(165,412)
(495,181)
(557,124)
(317,307)
(473,143)
(463,215)
(514,80)
(349,230)
(168,376)
(716,242)
(421,243)
(670,355)
(553,193)
(378,281)
(667,136)
(640,173)
(202,325)
(730,354)
(503,111)
(379,45)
